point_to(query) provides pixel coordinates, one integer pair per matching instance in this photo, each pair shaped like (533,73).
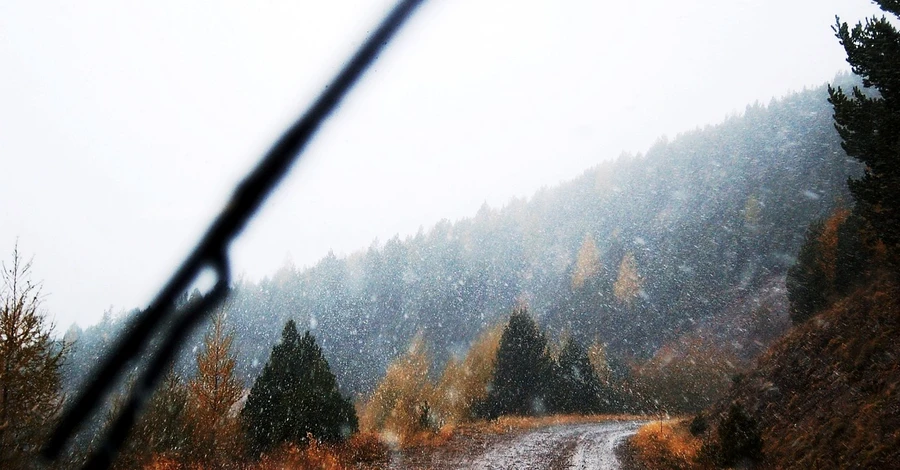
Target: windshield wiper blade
(210,253)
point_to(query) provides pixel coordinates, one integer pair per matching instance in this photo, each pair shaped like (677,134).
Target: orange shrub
(666,445)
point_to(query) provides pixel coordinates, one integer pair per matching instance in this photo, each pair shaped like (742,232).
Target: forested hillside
(635,253)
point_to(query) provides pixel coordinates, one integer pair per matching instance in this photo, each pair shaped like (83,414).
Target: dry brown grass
(360,450)
(159,462)
(826,394)
(505,424)
(666,445)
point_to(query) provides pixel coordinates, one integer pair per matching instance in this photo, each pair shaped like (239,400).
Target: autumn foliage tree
(587,262)
(399,408)
(29,367)
(213,395)
(831,260)
(628,282)
(464,383)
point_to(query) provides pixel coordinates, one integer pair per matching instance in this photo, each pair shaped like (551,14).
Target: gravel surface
(572,446)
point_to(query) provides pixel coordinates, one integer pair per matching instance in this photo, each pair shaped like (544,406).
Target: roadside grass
(666,444)
(373,450)
(360,450)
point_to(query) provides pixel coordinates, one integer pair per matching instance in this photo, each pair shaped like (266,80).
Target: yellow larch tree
(587,263)
(464,383)
(629,282)
(212,397)
(399,408)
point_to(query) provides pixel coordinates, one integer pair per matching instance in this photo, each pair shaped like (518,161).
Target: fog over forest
(728,297)
(635,253)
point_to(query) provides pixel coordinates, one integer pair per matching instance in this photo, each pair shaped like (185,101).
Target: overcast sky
(125,125)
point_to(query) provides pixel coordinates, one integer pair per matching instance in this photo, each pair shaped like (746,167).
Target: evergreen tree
(296,395)
(162,432)
(739,438)
(29,368)
(577,386)
(806,282)
(522,372)
(831,261)
(869,123)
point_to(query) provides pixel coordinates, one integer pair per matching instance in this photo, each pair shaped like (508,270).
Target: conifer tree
(29,367)
(213,394)
(577,386)
(587,263)
(398,403)
(869,123)
(522,372)
(806,282)
(831,261)
(628,282)
(296,395)
(162,432)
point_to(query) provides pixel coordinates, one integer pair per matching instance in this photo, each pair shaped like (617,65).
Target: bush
(698,425)
(739,438)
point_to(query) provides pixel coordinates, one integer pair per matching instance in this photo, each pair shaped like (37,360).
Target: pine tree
(832,260)
(296,395)
(162,431)
(577,386)
(29,368)
(806,282)
(869,123)
(213,394)
(522,372)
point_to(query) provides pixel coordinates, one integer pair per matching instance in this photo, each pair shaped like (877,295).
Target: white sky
(125,125)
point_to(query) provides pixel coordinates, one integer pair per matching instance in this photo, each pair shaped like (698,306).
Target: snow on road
(596,448)
(577,446)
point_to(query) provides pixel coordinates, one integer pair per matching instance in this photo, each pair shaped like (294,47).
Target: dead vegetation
(666,445)
(824,396)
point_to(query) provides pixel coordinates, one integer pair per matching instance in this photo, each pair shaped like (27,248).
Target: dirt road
(572,446)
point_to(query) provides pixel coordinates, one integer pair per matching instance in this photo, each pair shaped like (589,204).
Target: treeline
(515,369)
(510,370)
(210,421)
(638,251)
(209,418)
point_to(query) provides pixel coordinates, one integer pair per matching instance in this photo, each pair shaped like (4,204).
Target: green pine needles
(528,381)
(296,396)
(869,122)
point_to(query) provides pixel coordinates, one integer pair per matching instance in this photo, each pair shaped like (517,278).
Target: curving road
(577,446)
(573,446)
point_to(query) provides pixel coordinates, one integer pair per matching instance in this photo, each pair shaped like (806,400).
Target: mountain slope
(634,253)
(826,395)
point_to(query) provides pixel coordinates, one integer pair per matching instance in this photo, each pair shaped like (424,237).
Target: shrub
(739,438)
(699,425)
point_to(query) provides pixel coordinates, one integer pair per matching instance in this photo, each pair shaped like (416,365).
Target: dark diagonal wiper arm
(212,253)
